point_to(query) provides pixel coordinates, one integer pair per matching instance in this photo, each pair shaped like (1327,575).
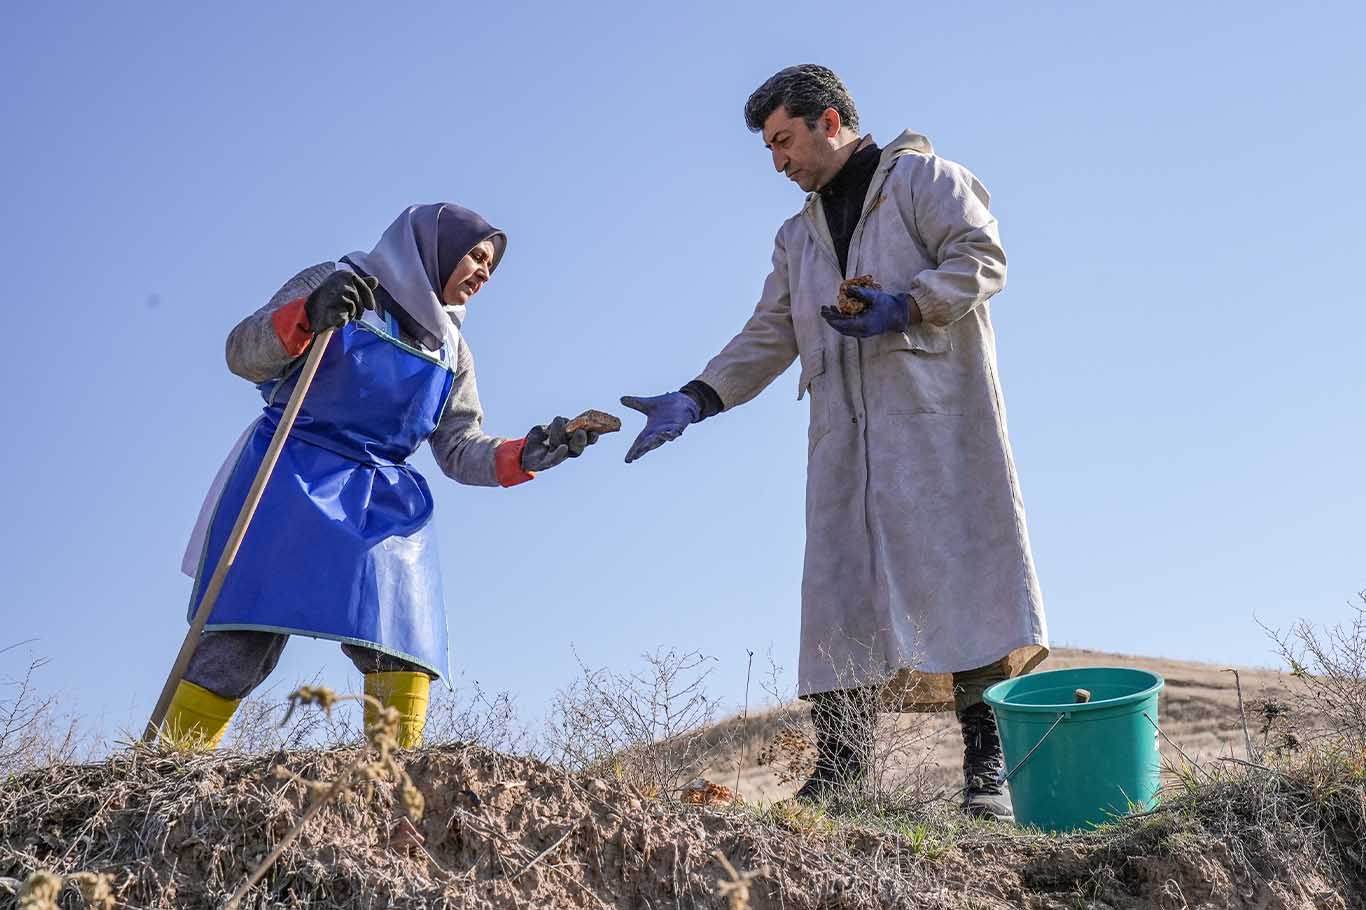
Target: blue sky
(1179,193)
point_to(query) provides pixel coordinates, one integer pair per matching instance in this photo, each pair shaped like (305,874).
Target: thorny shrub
(34,732)
(645,727)
(471,715)
(1330,666)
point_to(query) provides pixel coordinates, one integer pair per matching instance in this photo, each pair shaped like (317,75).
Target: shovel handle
(239,530)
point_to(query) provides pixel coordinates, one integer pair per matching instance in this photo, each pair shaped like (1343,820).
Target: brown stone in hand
(594,422)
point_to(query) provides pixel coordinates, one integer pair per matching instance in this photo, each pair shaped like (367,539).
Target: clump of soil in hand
(850,305)
(594,422)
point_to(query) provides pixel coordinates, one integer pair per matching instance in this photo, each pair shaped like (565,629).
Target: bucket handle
(1030,753)
(1162,733)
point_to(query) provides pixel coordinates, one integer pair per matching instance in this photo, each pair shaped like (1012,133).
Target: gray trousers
(231,664)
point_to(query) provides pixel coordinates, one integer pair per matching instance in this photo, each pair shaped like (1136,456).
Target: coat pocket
(812,382)
(921,338)
(917,373)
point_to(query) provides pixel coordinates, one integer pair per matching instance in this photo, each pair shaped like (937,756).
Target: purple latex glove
(666,417)
(885,313)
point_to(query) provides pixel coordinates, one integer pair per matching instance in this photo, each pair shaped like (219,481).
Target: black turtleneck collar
(858,169)
(842,198)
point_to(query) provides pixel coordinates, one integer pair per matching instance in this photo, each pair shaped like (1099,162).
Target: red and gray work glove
(341,297)
(548,445)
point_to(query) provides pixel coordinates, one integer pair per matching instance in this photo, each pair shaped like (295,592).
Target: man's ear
(830,122)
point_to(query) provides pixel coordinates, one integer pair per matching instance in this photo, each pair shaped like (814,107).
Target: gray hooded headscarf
(414,260)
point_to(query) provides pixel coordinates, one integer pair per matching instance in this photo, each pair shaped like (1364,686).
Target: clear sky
(1179,192)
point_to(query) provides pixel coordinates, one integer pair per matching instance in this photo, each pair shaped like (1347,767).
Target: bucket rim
(999,704)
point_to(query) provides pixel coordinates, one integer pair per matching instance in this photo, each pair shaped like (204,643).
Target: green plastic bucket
(1075,765)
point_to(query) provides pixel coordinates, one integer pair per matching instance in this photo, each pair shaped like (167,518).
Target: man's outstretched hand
(885,313)
(666,417)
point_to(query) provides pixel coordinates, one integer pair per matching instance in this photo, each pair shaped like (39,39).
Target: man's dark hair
(805,91)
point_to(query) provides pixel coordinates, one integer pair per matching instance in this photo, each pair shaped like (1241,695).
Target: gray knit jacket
(462,449)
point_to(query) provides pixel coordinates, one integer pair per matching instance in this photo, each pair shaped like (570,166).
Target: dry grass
(465,714)
(899,764)
(183,831)
(265,723)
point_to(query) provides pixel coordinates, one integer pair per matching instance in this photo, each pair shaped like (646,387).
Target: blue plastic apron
(341,546)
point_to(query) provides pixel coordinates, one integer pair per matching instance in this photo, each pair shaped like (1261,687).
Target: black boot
(984,764)
(844,743)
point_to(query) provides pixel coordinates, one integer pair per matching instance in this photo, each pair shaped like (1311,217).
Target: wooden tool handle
(239,530)
(1082,696)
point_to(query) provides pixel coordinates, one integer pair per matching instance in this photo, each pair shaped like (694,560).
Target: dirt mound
(174,831)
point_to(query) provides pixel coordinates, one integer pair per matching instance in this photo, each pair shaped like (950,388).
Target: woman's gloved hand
(341,297)
(885,313)
(666,417)
(548,445)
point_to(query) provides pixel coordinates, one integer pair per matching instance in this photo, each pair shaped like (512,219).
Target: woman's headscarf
(414,260)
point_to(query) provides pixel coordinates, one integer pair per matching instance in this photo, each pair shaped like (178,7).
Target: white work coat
(917,558)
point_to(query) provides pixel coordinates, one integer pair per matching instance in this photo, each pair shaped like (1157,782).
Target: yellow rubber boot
(197,718)
(407,693)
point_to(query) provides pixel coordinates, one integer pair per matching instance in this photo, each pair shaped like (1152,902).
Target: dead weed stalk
(41,890)
(378,763)
(736,889)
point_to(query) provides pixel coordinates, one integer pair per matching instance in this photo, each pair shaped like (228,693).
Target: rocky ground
(504,831)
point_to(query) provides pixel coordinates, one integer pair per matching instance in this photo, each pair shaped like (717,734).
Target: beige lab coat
(917,558)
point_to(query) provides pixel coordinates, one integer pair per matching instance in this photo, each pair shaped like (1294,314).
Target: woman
(341,546)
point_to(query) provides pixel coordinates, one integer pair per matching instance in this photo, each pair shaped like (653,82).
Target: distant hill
(1198,710)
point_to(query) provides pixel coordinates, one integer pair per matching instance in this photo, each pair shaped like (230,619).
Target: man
(918,568)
